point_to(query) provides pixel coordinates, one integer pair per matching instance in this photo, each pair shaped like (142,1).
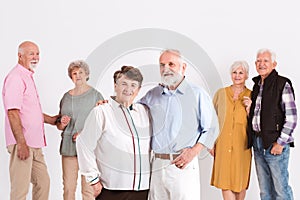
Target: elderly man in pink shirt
(24,127)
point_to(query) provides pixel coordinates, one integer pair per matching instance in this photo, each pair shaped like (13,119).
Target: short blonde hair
(81,64)
(240,63)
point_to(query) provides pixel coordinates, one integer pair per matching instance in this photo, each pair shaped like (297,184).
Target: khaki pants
(23,172)
(70,175)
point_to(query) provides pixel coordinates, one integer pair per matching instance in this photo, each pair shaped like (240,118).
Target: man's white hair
(265,50)
(175,52)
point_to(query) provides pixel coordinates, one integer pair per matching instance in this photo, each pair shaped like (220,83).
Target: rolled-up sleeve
(209,127)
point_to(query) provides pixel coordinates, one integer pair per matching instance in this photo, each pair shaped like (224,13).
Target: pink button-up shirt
(19,92)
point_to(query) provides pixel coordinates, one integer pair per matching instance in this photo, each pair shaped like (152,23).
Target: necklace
(237,91)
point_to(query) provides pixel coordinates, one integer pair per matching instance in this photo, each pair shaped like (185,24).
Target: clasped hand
(186,156)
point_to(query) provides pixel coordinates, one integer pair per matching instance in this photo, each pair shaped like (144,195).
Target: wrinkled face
(78,76)
(239,76)
(29,56)
(126,90)
(171,68)
(264,64)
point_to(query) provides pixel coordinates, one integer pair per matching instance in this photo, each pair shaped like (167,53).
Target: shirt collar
(181,89)
(24,70)
(116,105)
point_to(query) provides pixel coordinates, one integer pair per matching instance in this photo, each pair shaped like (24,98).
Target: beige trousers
(70,175)
(23,172)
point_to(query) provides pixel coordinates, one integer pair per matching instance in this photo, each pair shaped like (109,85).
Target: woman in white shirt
(114,146)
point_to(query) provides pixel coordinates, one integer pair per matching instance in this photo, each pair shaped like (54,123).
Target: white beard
(33,66)
(171,80)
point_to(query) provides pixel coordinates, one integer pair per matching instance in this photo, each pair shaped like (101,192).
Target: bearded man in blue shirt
(184,123)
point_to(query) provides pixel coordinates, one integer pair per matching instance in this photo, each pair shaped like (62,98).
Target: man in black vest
(272,120)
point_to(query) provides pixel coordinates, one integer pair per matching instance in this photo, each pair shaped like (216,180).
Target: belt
(257,133)
(166,156)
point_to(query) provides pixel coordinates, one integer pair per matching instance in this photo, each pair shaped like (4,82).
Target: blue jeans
(272,172)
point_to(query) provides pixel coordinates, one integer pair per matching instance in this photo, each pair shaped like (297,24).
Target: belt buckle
(174,156)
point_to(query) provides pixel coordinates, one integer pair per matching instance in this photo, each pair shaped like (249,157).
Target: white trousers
(171,183)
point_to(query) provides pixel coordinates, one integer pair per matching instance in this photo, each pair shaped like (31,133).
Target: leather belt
(257,133)
(166,156)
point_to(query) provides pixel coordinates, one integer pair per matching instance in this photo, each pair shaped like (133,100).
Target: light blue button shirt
(181,118)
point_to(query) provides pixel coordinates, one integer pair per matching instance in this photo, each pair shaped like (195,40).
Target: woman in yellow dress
(232,159)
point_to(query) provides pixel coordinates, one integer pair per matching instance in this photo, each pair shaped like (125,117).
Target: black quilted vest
(272,116)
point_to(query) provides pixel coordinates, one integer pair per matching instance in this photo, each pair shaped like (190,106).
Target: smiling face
(28,55)
(126,90)
(171,68)
(78,76)
(239,76)
(264,64)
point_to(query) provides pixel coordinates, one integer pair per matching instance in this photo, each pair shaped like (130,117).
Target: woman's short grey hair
(240,63)
(265,50)
(130,72)
(81,64)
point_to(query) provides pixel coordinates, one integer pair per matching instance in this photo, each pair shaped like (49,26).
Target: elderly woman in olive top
(114,146)
(232,159)
(75,106)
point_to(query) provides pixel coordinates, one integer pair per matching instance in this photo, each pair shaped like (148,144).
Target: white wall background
(69,30)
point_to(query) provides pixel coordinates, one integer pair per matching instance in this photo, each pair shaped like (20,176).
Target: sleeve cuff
(94,180)
(282,143)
